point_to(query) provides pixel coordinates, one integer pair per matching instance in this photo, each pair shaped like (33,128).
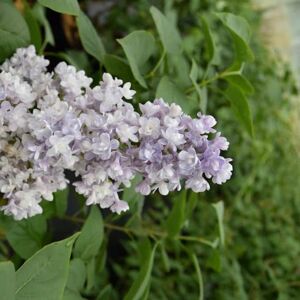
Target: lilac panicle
(55,121)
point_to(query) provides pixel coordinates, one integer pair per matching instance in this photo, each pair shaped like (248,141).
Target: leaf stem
(152,72)
(212,79)
(147,232)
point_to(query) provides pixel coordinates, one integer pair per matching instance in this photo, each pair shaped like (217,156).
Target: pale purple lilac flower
(51,122)
(179,151)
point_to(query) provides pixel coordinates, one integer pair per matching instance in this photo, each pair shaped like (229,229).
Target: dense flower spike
(175,148)
(52,122)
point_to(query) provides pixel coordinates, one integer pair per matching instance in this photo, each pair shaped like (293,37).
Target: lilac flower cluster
(55,121)
(175,148)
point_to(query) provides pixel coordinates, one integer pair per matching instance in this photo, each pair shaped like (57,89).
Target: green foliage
(34,29)
(61,201)
(138,47)
(199,276)
(168,90)
(240,32)
(8,280)
(219,207)
(240,107)
(198,54)
(69,7)
(168,33)
(46,272)
(210,42)
(76,280)
(39,13)
(13,29)
(177,215)
(88,244)
(90,39)
(27,236)
(141,284)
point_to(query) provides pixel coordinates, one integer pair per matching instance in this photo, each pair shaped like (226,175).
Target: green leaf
(89,37)
(240,32)
(14,31)
(168,33)
(214,260)
(105,294)
(199,276)
(219,207)
(45,274)
(240,106)
(176,218)
(88,244)
(165,257)
(118,67)
(90,274)
(179,70)
(77,58)
(138,47)
(26,236)
(34,28)
(200,91)
(61,201)
(210,43)
(141,283)
(192,200)
(39,13)
(69,7)
(7,281)
(76,280)
(241,82)
(170,92)
(134,199)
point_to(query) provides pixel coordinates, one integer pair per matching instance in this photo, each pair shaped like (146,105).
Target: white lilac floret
(51,122)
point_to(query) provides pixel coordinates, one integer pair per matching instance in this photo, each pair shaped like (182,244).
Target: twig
(147,232)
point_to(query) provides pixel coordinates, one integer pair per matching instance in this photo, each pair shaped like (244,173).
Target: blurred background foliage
(237,241)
